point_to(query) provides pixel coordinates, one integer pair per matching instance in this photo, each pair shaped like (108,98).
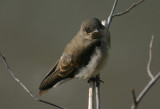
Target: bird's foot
(96,79)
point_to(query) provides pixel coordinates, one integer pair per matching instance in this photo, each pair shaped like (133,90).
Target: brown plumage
(91,42)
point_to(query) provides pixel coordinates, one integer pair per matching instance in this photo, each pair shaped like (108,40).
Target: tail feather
(41,92)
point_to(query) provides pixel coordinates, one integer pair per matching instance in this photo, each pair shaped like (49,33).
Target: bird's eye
(87,30)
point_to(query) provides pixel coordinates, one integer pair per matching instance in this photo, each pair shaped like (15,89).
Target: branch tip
(24,87)
(134,97)
(150,84)
(128,9)
(150,59)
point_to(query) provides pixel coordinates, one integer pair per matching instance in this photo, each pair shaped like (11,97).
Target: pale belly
(98,59)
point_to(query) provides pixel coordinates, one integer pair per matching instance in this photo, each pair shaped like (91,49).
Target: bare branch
(150,58)
(97,91)
(24,87)
(112,15)
(147,87)
(128,9)
(134,97)
(145,90)
(91,95)
(150,83)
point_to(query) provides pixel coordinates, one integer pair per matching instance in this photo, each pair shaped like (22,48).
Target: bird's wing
(52,70)
(61,71)
(69,63)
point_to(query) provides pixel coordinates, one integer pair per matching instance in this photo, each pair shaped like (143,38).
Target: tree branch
(150,58)
(24,87)
(112,14)
(150,83)
(134,97)
(128,9)
(91,94)
(94,89)
(97,91)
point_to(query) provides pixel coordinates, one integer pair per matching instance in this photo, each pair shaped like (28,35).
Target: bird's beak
(95,31)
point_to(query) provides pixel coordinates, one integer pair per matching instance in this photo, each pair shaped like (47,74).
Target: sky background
(33,34)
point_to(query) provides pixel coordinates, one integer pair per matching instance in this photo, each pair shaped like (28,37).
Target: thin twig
(107,24)
(150,58)
(97,92)
(128,9)
(24,87)
(91,95)
(150,83)
(134,97)
(145,90)
(148,86)
(112,14)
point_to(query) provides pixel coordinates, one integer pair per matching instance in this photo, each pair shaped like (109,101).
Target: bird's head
(92,28)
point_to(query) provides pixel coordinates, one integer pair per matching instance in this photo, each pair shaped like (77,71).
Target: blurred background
(33,34)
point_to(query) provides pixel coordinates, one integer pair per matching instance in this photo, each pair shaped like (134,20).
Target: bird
(83,57)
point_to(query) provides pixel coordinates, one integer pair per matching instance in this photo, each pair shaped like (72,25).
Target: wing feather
(62,70)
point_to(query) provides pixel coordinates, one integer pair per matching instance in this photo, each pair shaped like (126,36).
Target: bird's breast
(97,60)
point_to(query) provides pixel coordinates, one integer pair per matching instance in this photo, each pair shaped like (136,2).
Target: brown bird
(83,56)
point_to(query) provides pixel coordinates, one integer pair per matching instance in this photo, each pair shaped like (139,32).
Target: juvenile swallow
(83,57)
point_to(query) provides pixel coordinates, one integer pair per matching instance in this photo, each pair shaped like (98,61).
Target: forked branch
(128,9)
(153,79)
(107,24)
(112,14)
